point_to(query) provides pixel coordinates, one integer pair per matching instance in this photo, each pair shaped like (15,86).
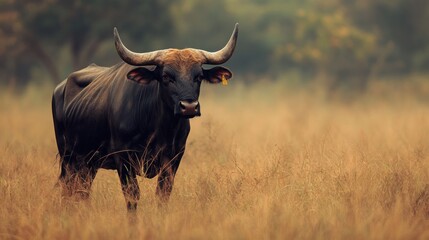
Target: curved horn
(132,58)
(225,53)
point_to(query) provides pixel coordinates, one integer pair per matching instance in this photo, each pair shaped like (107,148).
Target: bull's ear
(141,75)
(217,75)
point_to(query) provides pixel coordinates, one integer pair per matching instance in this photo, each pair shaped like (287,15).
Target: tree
(43,28)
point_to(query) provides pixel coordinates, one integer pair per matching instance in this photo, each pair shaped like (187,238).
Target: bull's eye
(167,78)
(198,78)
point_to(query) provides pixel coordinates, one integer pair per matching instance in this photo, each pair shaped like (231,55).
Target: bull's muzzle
(189,108)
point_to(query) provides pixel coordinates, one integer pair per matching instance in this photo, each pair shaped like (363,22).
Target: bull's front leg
(129,184)
(166,177)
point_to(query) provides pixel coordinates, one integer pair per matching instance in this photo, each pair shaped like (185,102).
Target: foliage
(42,28)
(349,42)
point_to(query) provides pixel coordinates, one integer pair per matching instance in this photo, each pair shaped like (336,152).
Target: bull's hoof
(132,206)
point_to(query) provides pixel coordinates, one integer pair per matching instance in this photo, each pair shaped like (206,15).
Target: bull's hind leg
(76,179)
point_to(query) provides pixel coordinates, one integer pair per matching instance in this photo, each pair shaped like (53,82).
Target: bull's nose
(189,108)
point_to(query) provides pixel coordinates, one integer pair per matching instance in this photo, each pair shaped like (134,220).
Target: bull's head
(180,72)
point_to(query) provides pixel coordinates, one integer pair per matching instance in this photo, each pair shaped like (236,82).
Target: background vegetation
(323,133)
(339,42)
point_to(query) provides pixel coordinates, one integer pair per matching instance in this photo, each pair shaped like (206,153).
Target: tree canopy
(337,38)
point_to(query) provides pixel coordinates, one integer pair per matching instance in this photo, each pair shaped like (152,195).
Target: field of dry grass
(262,163)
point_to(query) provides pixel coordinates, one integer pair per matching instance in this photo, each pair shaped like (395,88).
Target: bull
(132,117)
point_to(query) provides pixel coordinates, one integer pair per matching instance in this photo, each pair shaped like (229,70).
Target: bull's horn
(225,53)
(132,58)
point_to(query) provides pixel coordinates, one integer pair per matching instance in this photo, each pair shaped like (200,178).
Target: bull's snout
(189,108)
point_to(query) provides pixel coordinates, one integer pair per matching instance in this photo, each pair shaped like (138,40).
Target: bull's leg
(76,180)
(166,178)
(129,184)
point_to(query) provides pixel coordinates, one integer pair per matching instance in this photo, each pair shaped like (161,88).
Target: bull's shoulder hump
(86,75)
(77,81)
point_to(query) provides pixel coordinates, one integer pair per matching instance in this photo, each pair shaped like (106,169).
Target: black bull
(132,119)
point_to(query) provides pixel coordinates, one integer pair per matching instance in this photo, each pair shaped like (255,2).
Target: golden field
(263,162)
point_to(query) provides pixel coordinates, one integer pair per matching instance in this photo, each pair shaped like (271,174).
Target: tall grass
(263,162)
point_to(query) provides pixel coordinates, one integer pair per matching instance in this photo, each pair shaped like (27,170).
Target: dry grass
(261,163)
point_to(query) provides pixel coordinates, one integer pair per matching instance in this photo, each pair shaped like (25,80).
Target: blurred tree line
(347,42)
